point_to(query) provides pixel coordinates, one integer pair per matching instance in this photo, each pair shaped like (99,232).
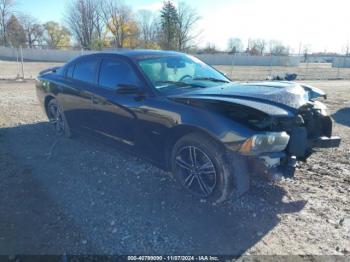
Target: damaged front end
(303,134)
(287,122)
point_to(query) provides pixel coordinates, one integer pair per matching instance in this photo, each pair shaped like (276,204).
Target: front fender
(229,132)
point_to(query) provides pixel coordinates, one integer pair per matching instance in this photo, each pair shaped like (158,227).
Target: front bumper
(303,140)
(325,142)
(314,132)
(300,147)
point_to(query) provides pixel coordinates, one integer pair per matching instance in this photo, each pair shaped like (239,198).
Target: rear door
(77,99)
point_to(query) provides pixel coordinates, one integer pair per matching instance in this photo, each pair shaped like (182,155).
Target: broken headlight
(265,143)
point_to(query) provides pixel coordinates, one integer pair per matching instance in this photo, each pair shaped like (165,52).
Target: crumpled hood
(284,94)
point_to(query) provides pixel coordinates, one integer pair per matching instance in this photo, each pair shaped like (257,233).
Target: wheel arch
(48,98)
(177,133)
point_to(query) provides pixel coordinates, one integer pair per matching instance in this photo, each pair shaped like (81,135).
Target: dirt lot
(12,69)
(305,71)
(78,196)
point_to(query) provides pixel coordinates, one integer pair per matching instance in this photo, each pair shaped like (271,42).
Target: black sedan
(187,117)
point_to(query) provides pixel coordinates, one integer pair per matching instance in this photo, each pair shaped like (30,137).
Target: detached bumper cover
(325,142)
(316,133)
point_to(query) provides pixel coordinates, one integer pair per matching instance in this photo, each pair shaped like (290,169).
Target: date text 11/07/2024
(173,258)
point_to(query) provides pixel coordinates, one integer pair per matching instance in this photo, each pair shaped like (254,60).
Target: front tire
(202,166)
(57,119)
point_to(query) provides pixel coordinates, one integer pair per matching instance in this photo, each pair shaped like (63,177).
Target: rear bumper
(325,142)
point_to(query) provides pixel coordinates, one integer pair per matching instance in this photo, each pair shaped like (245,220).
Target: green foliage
(56,36)
(169,26)
(15,32)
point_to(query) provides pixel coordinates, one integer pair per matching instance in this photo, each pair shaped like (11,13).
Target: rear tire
(57,119)
(203,167)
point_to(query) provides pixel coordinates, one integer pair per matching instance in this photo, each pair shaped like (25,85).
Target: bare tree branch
(84,20)
(33,29)
(187,20)
(118,19)
(148,26)
(6,10)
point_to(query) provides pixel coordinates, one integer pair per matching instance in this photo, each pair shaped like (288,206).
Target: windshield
(180,71)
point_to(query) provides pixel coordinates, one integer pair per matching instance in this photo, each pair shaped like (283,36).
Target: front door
(115,116)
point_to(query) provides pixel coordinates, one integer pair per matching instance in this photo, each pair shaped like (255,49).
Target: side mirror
(127,89)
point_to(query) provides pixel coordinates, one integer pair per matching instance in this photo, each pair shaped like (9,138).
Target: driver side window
(115,72)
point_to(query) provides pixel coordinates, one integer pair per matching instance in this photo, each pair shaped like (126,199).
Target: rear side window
(85,70)
(70,71)
(115,72)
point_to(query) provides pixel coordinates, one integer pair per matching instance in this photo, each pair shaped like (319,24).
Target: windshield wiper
(211,79)
(178,83)
(171,82)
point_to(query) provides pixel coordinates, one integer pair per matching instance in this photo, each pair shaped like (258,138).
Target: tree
(235,45)
(84,20)
(132,31)
(277,48)
(256,46)
(16,36)
(169,26)
(33,29)
(210,48)
(6,10)
(251,48)
(119,21)
(56,36)
(148,29)
(187,19)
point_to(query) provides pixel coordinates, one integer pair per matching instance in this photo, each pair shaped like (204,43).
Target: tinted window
(70,71)
(85,70)
(115,72)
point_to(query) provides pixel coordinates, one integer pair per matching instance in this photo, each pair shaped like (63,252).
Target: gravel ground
(12,69)
(81,197)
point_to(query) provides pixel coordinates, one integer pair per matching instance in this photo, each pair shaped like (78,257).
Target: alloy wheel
(196,171)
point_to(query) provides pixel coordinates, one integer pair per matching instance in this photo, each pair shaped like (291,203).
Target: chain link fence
(19,64)
(309,68)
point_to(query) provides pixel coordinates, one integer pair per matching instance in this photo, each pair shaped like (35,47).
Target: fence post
(232,63)
(271,64)
(18,65)
(22,66)
(338,66)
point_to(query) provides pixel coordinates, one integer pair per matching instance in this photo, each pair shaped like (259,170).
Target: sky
(321,25)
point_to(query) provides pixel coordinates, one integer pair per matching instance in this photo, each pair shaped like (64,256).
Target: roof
(136,54)
(140,53)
